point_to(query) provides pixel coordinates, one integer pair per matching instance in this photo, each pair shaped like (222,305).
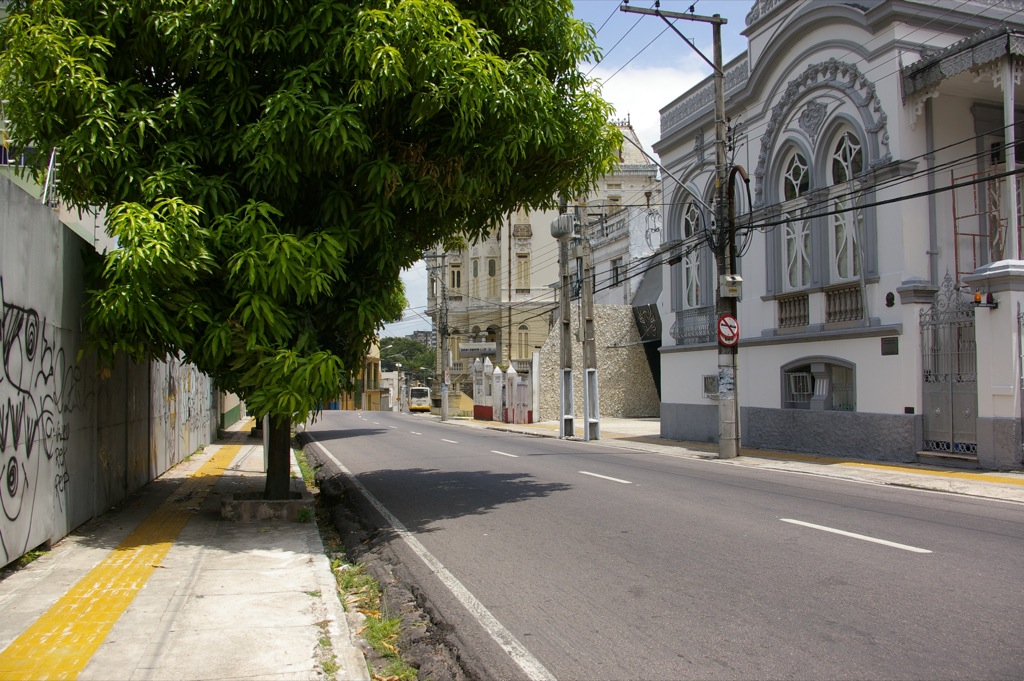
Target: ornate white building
(878,139)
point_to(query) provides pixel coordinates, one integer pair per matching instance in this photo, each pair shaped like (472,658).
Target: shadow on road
(463,493)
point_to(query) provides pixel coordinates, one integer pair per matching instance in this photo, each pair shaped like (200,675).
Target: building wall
(812,67)
(74,440)
(615,219)
(624,379)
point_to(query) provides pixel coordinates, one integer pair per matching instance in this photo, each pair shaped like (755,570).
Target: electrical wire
(769,225)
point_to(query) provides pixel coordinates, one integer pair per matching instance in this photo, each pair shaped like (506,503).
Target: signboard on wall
(477,349)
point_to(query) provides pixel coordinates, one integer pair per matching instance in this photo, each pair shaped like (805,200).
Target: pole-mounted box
(730,286)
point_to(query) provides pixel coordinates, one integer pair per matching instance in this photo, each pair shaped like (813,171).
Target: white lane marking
(415,433)
(514,456)
(393,427)
(530,665)
(451,442)
(833,530)
(376,423)
(605,477)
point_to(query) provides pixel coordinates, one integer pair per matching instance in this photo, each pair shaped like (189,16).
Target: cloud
(640,92)
(415,319)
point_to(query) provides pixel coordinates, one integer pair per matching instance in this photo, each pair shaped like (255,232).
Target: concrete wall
(624,378)
(74,441)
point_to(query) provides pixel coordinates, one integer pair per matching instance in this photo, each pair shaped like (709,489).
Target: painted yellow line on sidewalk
(962,475)
(62,641)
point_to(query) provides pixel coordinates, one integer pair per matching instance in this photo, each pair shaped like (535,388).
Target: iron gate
(950,373)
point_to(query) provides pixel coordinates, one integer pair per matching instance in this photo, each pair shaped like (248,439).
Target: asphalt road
(571,560)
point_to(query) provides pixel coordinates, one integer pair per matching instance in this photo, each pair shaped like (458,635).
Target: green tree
(268,167)
(405,351)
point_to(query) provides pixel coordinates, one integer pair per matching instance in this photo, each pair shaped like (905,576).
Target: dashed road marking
(854,535)
(513,456)
(605,477)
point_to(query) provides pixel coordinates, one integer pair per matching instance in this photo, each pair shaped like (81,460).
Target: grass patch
(361,592)
(308,472)
(325,653)
(24,560)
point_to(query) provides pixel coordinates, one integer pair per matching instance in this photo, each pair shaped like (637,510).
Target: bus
(419,398)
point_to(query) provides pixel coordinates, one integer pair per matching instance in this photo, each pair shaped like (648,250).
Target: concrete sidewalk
(645,435)
(164,588)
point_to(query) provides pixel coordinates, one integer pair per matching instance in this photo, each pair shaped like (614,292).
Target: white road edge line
(514,456)
(605,477)
(530,665)
(893,544)
(451,442)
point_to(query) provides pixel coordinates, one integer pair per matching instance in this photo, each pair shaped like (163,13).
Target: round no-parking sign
(728,330)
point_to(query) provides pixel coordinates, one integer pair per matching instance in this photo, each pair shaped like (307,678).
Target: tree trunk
(279,456)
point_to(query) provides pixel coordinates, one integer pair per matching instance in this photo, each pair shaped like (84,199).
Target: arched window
(492,278)
(523,342)
(847,222)
(819,384)
(691,256)
(796,231)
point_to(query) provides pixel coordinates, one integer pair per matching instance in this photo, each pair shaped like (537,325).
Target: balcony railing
(844,304)
(694,326)
(793,311)
(522,366)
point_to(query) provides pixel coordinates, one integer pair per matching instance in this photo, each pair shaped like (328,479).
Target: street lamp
(398,385)
(387,361)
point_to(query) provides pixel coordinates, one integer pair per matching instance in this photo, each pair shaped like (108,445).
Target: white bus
(419,398)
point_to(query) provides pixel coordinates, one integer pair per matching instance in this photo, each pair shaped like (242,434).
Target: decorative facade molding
(761,9)
(704,97)
(812,118)
(917,105)
(971,53)
(827,75)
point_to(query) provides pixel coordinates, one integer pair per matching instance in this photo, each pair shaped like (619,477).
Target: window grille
(799,388)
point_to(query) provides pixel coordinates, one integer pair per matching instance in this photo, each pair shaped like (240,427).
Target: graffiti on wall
(184,396)
(39,390)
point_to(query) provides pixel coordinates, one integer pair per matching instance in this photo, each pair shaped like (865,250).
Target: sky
(645,66)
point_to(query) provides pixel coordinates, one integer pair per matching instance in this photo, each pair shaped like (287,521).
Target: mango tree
(269,167)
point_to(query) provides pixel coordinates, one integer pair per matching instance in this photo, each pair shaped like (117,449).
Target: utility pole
(725,306)
(508,276)
(591,401)
(441,371)
(562,229)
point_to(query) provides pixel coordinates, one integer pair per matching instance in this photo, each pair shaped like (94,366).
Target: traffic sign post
(728,330)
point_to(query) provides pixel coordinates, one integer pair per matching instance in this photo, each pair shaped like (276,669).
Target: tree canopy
(269,167)
(411,354)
